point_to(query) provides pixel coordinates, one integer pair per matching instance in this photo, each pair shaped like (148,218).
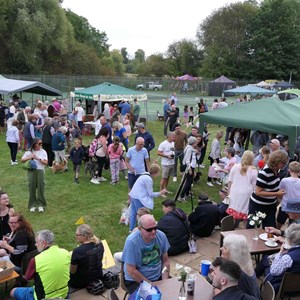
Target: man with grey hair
(80,114)
(145,254)
(166,150)
(50,270)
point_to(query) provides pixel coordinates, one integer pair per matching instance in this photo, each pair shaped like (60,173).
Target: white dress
(242,187)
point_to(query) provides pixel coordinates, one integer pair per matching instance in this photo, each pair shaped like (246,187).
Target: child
(191,115)
(185,114)
(127,126)
(76,156)
(291,185)
(115,152)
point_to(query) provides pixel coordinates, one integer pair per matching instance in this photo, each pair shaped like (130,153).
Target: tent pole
(247,139)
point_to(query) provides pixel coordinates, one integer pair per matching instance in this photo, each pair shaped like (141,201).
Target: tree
(139,56)
(32,31)
(184,57)
(117,59)
(274,40)
(222,36)
(154,65)
(124,55)
(88,35)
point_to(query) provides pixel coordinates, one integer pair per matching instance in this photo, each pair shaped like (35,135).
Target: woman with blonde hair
(86,261)
(235,248)
(120,131)
(142,194)
(241,183)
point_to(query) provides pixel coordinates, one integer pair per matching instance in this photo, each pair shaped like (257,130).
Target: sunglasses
(150,229)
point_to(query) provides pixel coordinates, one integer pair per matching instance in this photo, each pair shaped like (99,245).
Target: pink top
(112,154)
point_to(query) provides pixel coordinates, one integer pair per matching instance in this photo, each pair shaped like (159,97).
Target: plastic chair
(112,295)
(289,287)
(227,224)
(268,292)
(26,259)
(122,281)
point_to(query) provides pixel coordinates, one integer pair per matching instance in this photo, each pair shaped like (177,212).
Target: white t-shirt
(167,148)
(80,113)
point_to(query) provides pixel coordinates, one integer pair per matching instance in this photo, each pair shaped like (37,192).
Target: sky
(148,25)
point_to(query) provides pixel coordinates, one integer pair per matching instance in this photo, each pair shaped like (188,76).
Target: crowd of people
(251,181)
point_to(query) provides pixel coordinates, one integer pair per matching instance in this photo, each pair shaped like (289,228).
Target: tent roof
(186,77)
(249,89)
(109,92)
(283,84)
(290,91)
(8,86)
(269,115)
(262,84)
(223,79)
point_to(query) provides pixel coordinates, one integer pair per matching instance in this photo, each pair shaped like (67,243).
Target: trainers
(170,193)
(95,181)
(76,180)
(209,184)
(182,200)
(112,183)
(174,179)
(126,177)
(218,182)
(202,166)
(101,179)
(41,209)
(32,209)
(164,196)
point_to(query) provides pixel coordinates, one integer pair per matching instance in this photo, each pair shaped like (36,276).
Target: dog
(62,166)
(90,166)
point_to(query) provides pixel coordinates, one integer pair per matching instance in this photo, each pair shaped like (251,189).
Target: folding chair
(289,287)
(122,281)
(227,224)
(268,292)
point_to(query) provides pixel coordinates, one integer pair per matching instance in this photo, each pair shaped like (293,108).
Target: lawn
(99,205)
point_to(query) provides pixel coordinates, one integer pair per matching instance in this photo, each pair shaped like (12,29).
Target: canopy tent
(269,115)
(250,89)
(263,84)
(283,85)
(9,86)
(216,87)
(109,92)
(186,77)
(288,94)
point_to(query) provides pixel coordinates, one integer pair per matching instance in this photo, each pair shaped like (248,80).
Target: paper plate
(271,245)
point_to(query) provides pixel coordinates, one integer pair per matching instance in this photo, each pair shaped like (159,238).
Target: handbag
(146,292)
(30,165)
(193,247)
(212,173)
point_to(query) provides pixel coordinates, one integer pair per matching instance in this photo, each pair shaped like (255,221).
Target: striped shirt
(267,180)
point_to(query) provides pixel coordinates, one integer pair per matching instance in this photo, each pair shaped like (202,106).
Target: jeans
(178,155)
(135,204)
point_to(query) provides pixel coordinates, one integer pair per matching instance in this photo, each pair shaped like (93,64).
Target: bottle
(191,284)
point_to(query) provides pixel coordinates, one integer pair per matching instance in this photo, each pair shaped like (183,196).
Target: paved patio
(208,248)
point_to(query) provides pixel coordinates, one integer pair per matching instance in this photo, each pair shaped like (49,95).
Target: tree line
(244,40)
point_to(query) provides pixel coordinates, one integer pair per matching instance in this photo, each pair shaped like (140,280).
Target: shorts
(167,171)
(24,293)
(76,168)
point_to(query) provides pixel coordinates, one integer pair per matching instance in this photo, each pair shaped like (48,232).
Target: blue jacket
(149,141)
(58,141)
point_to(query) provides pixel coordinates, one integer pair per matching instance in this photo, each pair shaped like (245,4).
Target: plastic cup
(205,264)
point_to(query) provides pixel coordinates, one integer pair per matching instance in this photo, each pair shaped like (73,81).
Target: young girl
(185,114)
(115,152)
(127,126)
(76,156)
(191,115)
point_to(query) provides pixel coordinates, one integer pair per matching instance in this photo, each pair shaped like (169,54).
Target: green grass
(99,205)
